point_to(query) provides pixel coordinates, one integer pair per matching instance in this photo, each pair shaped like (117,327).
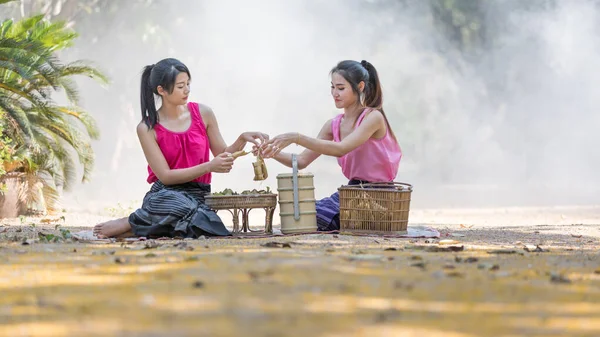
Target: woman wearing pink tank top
(361,138)
(177,140)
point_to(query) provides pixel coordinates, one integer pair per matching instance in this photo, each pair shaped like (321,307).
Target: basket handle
(295,186)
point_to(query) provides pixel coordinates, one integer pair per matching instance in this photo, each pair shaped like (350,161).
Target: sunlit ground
(521,281)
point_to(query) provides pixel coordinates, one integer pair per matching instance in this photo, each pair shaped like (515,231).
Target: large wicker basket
(379,208)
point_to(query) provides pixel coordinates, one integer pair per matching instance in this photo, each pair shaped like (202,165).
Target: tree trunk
(10,205)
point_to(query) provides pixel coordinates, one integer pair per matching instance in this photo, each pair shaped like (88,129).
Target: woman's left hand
(278,143)
(252,137)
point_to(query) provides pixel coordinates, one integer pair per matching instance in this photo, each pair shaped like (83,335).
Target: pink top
(184,149)
(377,160)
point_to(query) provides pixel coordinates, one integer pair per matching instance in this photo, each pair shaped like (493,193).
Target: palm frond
(85,69)
(51,139)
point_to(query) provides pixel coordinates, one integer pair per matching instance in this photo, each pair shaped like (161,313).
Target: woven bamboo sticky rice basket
(241,201)
(378,208)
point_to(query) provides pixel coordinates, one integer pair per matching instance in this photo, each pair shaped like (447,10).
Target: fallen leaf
(151,244)
(576,236)
(256,275)
(274,244)
(488,266)
(418,265)
(436,249)
(198,284)
(534,249)
(597,271)
(502,251)
(557,278)
(390,249)
(446,249)
(465,226)
(455,274)
(401,285)
(110,252)
(449,266)
(387,315)
(471,259)
(47,221)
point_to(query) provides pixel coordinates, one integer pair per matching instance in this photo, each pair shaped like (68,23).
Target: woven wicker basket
(379,208)
(241,201)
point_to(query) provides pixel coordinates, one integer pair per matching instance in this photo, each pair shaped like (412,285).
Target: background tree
(47,138)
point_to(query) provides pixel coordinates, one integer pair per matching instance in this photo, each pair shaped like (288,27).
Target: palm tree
(48,138)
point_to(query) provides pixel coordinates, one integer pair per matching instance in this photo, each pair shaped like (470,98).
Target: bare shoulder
(374,114)
(205,110)
(374,117)
(143,130)
(207,114)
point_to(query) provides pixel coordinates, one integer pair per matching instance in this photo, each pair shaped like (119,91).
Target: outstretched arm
(372,123)
(217,144)
(307,156)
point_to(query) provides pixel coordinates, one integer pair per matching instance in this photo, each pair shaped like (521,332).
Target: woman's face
(181,90)
(342,93)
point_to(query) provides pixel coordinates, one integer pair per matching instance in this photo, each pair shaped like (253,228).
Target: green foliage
(47,138)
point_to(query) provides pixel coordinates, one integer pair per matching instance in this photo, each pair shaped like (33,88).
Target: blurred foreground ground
(493,272)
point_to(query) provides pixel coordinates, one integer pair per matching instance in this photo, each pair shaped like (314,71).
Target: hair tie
(364,63)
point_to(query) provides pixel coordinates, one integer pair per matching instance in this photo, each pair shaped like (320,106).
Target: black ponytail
(147,101)
(355,72)
(373,93)
(163,74)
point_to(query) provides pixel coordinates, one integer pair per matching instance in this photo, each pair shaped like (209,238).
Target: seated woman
(361,138)
(176,140)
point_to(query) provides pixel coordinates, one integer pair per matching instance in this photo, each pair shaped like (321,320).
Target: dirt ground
(493,272)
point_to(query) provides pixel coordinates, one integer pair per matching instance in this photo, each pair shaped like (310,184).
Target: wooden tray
(241,201)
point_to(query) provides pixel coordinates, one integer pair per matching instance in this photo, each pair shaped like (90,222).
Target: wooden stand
(243,204)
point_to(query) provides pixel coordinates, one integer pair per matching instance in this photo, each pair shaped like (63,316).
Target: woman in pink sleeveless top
(177,140)
(361,138)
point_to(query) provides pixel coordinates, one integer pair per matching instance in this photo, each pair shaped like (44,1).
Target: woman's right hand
(222,163)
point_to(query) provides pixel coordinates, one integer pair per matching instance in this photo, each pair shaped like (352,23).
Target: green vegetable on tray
(229,191)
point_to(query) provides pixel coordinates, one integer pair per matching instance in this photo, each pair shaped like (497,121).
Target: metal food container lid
(289,175)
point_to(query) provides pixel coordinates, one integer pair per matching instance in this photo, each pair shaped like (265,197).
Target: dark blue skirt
(176,211)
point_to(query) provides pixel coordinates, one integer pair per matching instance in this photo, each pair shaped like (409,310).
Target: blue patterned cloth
(176,211)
